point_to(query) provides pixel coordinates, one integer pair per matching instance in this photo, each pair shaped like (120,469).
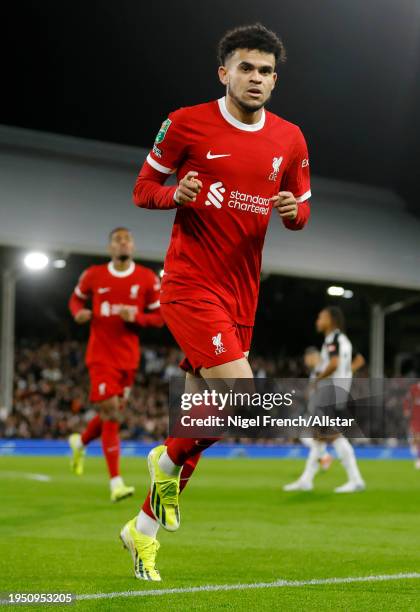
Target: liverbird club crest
(276,168)
(217,341)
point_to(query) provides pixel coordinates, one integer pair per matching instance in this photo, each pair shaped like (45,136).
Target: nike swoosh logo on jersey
(210,156)
(104,289)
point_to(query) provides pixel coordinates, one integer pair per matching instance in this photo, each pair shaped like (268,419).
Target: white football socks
(308,442)
(312,463)
(116,482)
(345,453)
(147,525)
(168,466)
(79,443)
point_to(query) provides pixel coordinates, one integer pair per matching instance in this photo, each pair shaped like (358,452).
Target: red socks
(93,430)
(187,470)
(111,446)
(110,441)
(181,449)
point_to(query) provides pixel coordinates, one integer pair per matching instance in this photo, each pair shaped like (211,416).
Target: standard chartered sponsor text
(248,202)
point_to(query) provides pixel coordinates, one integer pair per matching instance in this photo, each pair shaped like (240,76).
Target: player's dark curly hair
(337,316)
(254,36)
(120,228)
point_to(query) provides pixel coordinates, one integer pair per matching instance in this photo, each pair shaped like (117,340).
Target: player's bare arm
(330,369)
(357,363)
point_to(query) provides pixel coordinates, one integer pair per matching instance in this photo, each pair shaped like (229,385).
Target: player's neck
(240,114)
(121,266)
(329,331)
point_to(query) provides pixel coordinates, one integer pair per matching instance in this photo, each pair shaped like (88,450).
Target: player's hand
(188,188)
(83,316)
(312,386)
(128,313)
(286,205)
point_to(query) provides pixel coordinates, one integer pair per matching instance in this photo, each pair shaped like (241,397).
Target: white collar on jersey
(330,336)
(121,273)
(248,127)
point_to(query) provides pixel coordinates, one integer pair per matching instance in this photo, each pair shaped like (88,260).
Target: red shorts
(415,426)
(206,333)
(106,382)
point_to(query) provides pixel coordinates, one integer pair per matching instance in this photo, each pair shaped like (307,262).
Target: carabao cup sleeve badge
(162,132)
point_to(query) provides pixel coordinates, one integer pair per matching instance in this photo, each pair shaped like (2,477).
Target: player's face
(323,321)
(121,245)
(249,76)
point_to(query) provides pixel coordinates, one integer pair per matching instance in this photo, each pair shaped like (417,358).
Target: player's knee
(110,415)
(109,409)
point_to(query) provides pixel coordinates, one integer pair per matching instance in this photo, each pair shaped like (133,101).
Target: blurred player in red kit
(235,164)
(412,412)
(119,292)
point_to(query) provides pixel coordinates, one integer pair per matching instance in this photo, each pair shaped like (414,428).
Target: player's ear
(223,75)
(274,80)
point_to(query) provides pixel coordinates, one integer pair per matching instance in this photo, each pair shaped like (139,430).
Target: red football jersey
(216,244)
(412,405)
(112,341)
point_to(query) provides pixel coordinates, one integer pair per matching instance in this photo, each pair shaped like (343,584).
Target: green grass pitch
(237,527)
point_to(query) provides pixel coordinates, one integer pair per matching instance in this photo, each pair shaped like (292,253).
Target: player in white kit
(312,360)
(334,372)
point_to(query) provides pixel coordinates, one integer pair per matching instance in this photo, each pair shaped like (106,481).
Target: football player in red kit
(412,413)
(124,297)
(235,164)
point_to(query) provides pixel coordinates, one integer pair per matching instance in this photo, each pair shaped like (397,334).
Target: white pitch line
(27,475)
(38,477)
(256,585)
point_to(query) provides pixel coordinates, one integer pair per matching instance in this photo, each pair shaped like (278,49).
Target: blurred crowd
(51,393)
(52,386)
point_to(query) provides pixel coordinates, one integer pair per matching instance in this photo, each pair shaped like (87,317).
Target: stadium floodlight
(348,294)
(59,263)
(36,260)
(9,276)
(336,291)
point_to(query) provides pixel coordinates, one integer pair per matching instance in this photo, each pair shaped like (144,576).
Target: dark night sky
(113,70)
